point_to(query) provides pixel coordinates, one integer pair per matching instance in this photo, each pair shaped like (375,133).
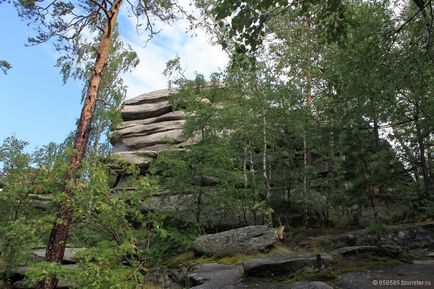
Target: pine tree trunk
(59,233)
(98,132)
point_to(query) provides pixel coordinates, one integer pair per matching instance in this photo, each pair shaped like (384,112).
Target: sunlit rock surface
(150,125)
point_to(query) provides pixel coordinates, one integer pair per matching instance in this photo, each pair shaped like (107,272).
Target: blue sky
(37,107)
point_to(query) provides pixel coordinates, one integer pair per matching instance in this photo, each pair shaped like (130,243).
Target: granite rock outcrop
(149,125)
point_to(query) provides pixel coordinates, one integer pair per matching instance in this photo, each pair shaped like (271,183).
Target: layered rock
(150,125)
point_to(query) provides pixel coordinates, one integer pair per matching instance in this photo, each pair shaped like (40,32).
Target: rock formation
(149,125)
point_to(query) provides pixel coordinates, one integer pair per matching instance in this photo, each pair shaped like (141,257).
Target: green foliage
(102,267)
(368,171)
(174,238)
(5,66)
(22,226)
(18,240)
(376,229)
(243,25)
(44,271)
(311,125)
(110,225)
(112,91)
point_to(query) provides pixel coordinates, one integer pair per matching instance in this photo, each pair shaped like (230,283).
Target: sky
(37,107)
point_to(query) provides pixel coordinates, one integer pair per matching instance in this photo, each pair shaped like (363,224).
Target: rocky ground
(415,275)
(404,260)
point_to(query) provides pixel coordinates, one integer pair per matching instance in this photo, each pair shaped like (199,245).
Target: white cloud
(197,54)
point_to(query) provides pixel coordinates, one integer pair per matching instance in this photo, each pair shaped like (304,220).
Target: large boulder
(278,265)
(213,276)
(245,240)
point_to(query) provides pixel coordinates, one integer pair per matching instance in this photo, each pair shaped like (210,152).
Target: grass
(189,257)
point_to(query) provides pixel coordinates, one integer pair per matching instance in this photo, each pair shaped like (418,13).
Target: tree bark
(307,158)
(422,152)
(59,233)
(264,159)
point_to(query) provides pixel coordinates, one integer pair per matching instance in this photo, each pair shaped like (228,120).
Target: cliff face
(149,125)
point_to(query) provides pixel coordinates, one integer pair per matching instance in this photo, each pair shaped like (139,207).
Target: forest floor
(360,271)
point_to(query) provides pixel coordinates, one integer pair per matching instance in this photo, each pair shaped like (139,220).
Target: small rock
(276,265)
(180,275)
(360,250)
(160,277)
(250,239)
